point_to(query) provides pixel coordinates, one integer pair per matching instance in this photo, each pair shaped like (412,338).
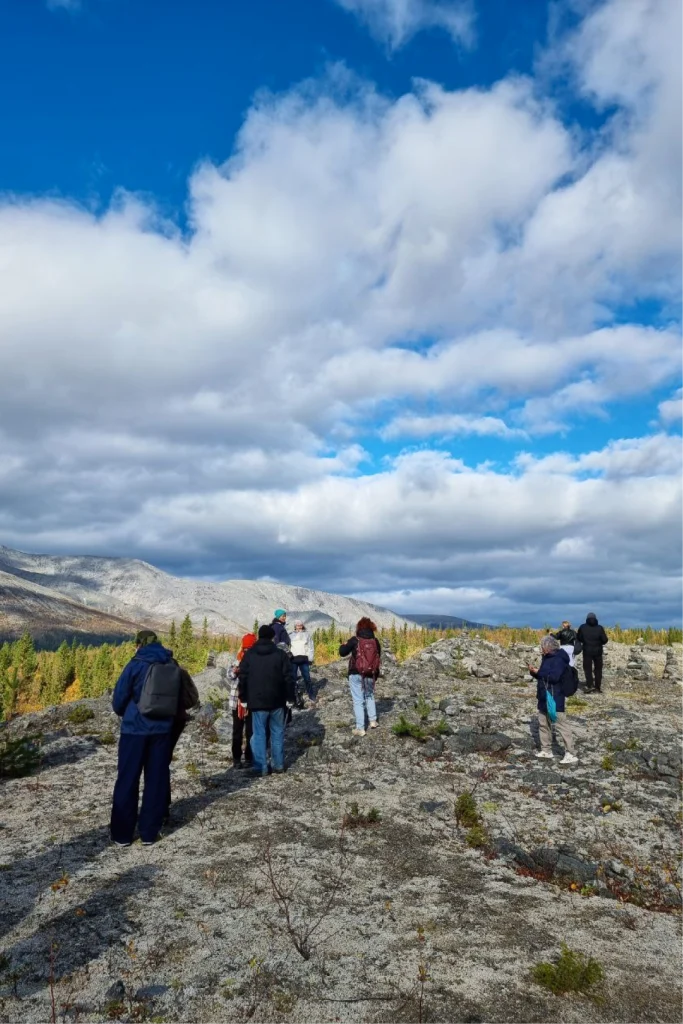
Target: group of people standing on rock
(154,694)
(557,678)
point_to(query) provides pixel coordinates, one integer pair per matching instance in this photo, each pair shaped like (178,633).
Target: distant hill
(50,594)
(52,618)
(446,622)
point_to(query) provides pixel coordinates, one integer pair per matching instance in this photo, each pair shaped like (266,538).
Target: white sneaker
(373,723)
(358,732)
(545,754)
(569,759)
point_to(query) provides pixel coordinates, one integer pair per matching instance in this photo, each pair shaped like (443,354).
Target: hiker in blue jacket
(279,627)
(146,744)
(548,678)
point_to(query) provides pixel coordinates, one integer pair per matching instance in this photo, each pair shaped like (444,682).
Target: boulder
(469,741)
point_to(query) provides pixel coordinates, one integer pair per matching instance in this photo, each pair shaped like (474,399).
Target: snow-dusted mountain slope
(136,590)
(50,617)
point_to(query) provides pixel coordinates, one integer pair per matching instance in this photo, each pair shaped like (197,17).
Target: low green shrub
(80,714)
(19,757)
(607,763)
(572,972)
(355,818)
(423,708)
(477,837)
(405,728)
(466,812)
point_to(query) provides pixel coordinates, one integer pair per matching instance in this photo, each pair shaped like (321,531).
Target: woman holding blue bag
(550,694)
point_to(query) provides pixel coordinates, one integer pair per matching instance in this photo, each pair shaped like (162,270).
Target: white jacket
(302,644)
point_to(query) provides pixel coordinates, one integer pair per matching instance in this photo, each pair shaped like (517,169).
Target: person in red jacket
(241,720)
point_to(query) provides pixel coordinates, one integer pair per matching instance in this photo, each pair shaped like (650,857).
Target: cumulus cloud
(396,21)
(447,425)
(671,410)
(443,264)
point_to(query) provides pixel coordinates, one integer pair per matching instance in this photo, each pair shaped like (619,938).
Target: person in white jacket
(303,653)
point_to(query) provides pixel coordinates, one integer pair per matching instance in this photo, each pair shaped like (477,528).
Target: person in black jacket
(364,666)
(592,638)
(566,635)
(279,627)
(266,689)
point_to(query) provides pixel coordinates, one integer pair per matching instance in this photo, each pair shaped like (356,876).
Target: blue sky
(108,94)
(378,296)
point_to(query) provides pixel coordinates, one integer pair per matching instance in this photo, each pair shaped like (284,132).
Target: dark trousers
(138,754)
(176,732)
(241,727)
(305,669)
(591,662)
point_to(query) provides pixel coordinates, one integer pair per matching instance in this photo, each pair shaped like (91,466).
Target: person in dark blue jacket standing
(548,678)
(279,627)
(144,745)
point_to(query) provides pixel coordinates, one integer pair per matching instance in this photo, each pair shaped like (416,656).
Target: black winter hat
(145,636)
(266,633)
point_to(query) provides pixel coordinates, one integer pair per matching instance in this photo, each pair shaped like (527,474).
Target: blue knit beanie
(279,612)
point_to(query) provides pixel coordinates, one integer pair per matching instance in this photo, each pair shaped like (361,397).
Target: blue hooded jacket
(128,691)
(551,672)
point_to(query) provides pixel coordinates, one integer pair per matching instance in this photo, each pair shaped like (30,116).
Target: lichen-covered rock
(363,836)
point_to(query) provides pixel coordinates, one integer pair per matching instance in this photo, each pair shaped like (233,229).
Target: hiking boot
(278,771)
(149,842)
(546,755)
(358,732)
(569,759)
(373,723)
(117,843)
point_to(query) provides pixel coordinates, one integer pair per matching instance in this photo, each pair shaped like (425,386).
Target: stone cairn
(672,669)
(637,666)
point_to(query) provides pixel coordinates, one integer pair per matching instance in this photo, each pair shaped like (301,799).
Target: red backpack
(366,659)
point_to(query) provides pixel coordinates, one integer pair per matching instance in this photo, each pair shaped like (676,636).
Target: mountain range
(98,598)
(445,622)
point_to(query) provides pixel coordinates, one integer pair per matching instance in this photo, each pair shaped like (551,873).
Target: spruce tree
(205,633)
(185,640)
(5,657)
(172,636)
(25,656)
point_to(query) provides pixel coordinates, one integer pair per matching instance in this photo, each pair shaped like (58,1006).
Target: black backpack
(161,690)
(569,681)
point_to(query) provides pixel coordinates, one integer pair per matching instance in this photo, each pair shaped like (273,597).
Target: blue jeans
(363,695)
(276,720)
(305,670)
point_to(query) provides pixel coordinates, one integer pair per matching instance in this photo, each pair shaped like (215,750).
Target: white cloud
(641,457)
(396,21)
(671,410)
(202,398)
(447,425)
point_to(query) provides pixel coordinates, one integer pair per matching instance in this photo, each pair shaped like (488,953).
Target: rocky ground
(357,887)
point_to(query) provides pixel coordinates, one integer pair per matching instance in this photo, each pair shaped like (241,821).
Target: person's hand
(289,704)
(533,670)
